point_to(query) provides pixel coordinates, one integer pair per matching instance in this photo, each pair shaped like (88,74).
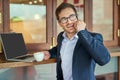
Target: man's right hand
(46,55)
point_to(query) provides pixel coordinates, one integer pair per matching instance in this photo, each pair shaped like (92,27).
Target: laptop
(14,47)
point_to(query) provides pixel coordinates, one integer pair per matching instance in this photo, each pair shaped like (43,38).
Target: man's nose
(69,21)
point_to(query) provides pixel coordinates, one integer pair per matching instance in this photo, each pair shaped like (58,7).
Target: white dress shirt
(66,53)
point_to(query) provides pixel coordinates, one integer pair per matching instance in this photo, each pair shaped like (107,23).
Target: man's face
(67,18)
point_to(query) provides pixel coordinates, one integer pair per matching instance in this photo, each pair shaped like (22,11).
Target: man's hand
(79,25)
(46,55)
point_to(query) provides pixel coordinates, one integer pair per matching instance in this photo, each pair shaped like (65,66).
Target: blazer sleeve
(93,42)
(53,52)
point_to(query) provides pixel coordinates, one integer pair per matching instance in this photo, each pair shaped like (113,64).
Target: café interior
(36,20)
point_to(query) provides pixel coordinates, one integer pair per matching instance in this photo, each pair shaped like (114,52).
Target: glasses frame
(64,20)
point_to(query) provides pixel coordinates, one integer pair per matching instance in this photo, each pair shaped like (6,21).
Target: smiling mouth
(69,26)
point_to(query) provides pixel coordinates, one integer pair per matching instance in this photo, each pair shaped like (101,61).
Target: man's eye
(72,15)
(64,18)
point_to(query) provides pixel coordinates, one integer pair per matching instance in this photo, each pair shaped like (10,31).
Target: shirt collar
(75,36)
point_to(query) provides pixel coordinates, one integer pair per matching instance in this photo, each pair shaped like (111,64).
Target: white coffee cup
(39,56)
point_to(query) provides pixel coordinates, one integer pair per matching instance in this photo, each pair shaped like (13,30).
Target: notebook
(14,47)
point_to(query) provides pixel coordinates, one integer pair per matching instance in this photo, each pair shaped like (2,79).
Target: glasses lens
(63,20)
(72,17)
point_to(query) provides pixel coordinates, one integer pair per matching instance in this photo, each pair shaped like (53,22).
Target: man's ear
(59,24)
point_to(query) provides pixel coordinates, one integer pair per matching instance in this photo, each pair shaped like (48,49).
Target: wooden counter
(21,64)
(115,52)
(5,64)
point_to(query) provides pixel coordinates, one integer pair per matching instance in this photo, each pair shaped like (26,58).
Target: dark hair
(62,6)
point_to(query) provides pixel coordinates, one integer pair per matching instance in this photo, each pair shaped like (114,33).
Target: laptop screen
(13,45)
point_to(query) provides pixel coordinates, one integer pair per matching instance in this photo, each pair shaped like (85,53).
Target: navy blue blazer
(88,51)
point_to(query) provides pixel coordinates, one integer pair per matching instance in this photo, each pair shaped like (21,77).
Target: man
(77,50)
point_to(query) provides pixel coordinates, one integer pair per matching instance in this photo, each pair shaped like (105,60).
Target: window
(29,18)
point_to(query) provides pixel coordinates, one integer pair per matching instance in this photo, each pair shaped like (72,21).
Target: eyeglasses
(72,17)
